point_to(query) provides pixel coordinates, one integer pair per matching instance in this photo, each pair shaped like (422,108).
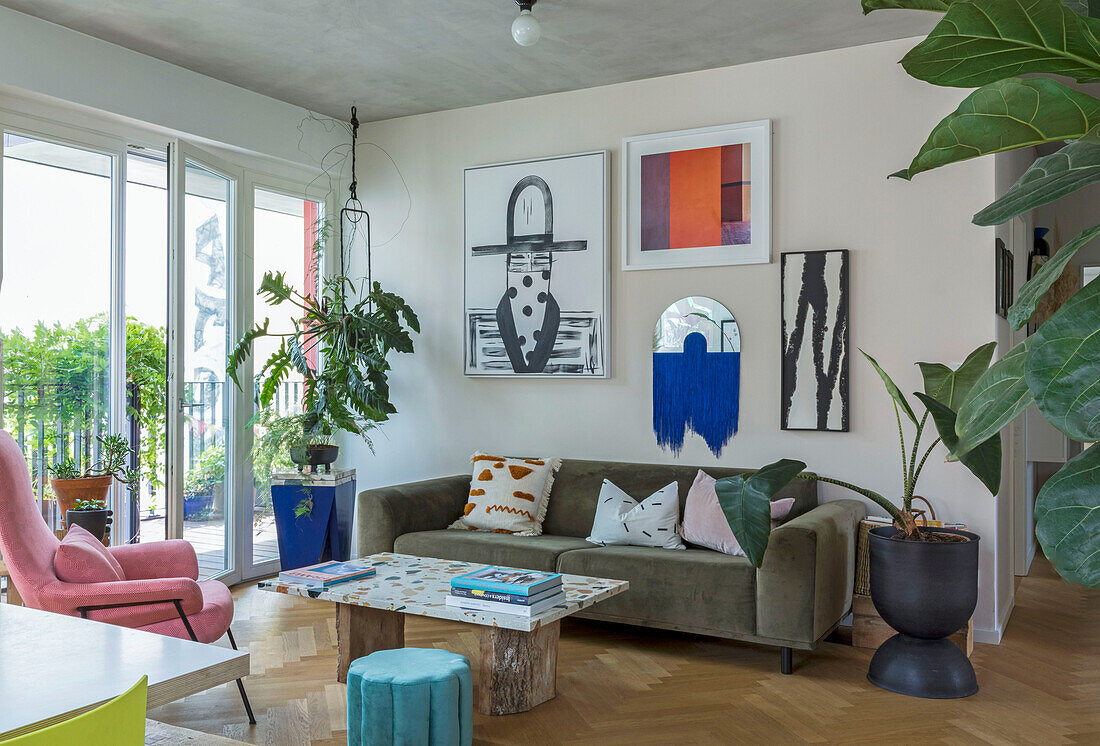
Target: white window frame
(77,126)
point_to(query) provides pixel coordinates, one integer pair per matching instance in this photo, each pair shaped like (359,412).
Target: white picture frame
(579,281)
(756,251)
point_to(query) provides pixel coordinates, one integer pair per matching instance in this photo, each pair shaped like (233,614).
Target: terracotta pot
(68,491)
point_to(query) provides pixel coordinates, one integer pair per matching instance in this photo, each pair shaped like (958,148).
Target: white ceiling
(398,57)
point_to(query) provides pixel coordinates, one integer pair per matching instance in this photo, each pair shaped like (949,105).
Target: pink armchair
(161,592)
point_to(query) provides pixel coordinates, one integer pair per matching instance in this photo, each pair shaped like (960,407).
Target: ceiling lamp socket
(526,29)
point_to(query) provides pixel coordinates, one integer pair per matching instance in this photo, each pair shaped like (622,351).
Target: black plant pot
(926,591)
(94,522)
(314,456)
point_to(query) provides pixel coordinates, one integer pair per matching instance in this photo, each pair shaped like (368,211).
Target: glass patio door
(203,408)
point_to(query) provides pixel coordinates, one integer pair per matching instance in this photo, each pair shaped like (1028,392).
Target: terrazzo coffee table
(519,654)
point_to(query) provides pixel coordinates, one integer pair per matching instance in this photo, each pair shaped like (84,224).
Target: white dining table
(53,667)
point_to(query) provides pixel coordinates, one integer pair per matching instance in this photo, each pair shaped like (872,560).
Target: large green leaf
(1063,366)
(940,6)
(982,41)
(1034,289)
(892,389)
(1067,519)
(984,460)
(1049,178)
(998,397)
(950,387)
(1006,115)
(746,501)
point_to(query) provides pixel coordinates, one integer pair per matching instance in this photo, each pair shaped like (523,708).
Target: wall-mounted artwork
(696,374)
(536,265)
(698,198)
(814,300)
(1005,278)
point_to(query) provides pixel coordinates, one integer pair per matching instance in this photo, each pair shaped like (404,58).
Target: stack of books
(328,573)
(503,591)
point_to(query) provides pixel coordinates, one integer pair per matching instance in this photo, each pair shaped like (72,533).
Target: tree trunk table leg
(518,669)
(361,630)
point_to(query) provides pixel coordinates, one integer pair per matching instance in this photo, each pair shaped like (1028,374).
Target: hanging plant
(349,390)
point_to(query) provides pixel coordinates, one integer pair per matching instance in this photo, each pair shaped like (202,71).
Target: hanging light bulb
(526,29)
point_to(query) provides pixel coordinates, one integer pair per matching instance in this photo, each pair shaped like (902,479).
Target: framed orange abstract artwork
(698,198)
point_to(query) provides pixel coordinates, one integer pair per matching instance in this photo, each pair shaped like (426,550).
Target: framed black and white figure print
(536,268)
(814,299)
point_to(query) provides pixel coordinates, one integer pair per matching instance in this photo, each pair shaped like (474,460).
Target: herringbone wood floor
(624,685)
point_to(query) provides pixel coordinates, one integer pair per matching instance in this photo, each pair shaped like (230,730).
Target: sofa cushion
(508,495)
(622,520)
(695,590)
(82,558)
(507,550)
(577,486)
(705,523)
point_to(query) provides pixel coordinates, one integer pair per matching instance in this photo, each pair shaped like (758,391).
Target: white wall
(1012,504)
(922,280)
(53,62)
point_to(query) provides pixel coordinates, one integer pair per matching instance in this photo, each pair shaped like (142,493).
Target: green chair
(120,722)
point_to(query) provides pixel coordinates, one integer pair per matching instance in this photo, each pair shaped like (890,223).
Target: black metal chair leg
(785,660)
(240,684)
(247,706)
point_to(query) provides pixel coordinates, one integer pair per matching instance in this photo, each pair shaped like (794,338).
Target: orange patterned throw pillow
(508,495)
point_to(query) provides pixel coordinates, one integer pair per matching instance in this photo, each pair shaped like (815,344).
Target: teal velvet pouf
(410,697)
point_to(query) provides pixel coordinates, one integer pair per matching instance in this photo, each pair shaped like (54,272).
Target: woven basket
(863,557)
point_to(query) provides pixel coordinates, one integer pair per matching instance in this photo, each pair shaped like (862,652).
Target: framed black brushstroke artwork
(1004,279)
(814,300)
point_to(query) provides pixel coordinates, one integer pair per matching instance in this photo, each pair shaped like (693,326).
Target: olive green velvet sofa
(799,595)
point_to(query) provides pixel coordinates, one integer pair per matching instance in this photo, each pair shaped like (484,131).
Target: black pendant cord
(353,213)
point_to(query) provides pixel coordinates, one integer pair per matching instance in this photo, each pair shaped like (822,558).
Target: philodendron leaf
(1067,519)
(998,397)
(950,387)
(982,41)
(746,501)
(892,389)
(984,461)
(1049,178)
(1006,115)
(940,6)
(1035,288)
(1063,366)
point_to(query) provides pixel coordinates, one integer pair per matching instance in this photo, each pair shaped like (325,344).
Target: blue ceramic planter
(325,533)
(194,507)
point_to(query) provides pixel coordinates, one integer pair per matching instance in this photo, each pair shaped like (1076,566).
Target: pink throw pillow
(705,523)
(82,558)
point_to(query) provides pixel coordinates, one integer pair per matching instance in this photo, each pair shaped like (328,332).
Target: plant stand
(870,630)
(323,534)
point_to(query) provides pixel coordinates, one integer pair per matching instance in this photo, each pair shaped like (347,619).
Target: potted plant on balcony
(91,515)
(924,581)
(338,347)
(204,484)
(92,483)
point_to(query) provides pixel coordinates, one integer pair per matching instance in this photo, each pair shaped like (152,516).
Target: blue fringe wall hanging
(696,374)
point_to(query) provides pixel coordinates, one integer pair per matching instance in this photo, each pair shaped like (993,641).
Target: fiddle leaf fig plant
(986,45)
(746,500)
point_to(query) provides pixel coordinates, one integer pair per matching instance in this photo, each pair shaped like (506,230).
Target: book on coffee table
(504,598)
(327,574)
(507,580)
(478,604)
